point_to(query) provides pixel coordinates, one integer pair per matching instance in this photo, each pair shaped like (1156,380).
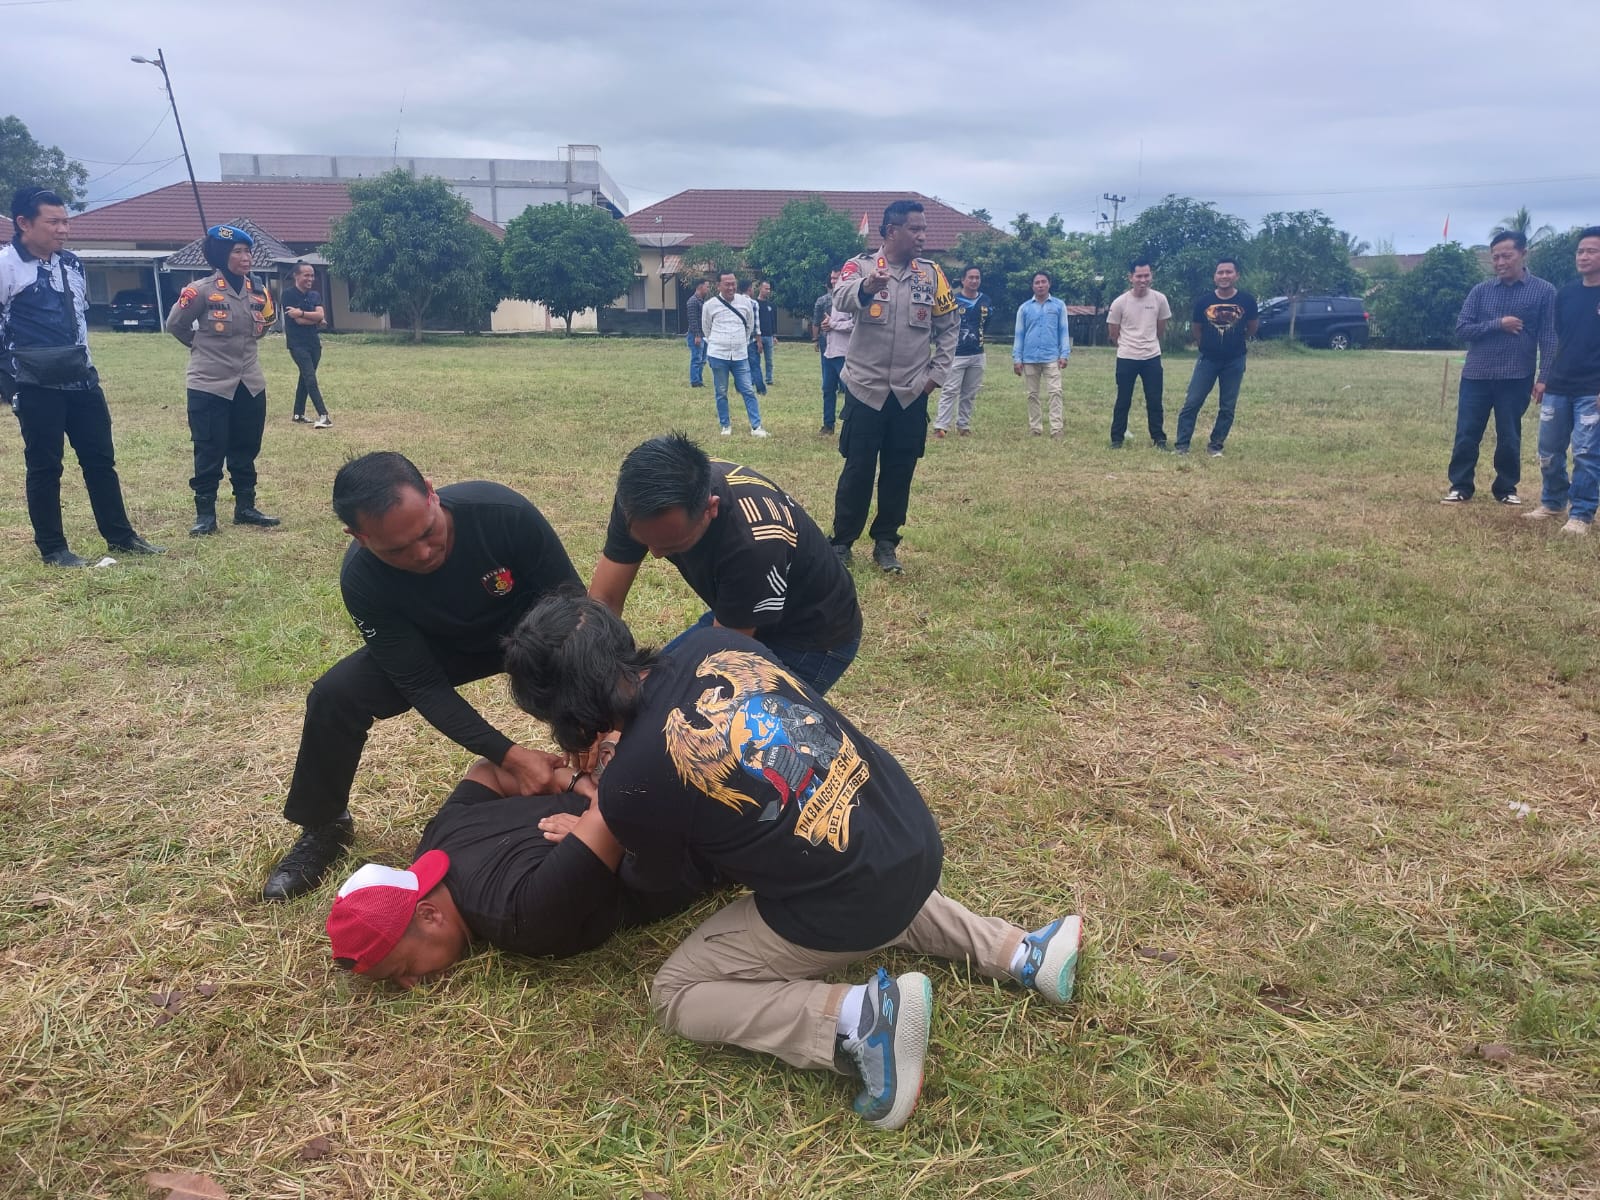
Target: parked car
(1335,322)
(134,309)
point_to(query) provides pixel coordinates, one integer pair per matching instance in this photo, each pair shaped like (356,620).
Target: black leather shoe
(204,524)
(253,516)
(64,558)
(883,554)
(135,545)
(308,859)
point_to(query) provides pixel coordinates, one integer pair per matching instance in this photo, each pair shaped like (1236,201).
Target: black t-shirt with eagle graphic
(1222,324)
(504,560)
(734,761)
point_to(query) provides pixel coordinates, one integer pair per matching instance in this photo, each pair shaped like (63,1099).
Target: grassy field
(1311,753)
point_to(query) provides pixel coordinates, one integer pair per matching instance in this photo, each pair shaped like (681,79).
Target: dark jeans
(697,359)
(49,418)
(1508,400)
(884,442)
(1227,376)
(755,367)
(831,367)
(340,710)
(307,358)
(819,670)
(768,342)
(226,431)
(1149,372)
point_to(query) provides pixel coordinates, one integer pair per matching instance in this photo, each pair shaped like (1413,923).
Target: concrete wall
(523,316)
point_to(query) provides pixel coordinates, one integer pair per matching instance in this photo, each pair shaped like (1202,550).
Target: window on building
(637,299)
(99,286)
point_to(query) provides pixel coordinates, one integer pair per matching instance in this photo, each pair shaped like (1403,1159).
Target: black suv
(134,309)
(1337,322)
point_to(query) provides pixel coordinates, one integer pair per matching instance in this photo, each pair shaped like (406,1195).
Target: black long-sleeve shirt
(504,560)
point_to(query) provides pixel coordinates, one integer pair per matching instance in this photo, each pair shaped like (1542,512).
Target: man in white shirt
(727,322)
(1136,323)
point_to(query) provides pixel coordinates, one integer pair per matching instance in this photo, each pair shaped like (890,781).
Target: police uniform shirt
(889,348)
(221,326)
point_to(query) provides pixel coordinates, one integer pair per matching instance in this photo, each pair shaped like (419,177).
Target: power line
(115,167)
(117,195)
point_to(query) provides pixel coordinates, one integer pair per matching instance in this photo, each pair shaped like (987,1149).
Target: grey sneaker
(1510,498)
(1455,496)
(323,422)
(1052,960)
(883,554)
(888,1055)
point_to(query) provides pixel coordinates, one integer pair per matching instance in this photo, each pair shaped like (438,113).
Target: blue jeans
(768,341)
(697,359)
(831,367)
(755,366)
(720,367)
(1228,376)
(819,670)
(1574,421)
(1507,400)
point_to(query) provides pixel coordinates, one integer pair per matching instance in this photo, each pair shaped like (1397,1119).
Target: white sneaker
(759,432)
(1455,497)
(323,422)
(1542,513)
(1575,525)
(727,431)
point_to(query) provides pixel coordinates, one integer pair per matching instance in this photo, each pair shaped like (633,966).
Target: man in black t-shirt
(1222,323)
(724,757)
(433,580)
(534,875)
(1568,416)
(745,547)
(303,316)
(767,311)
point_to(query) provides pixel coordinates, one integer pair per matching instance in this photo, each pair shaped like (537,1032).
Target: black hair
(1227,258)
(27,201)
(1592,231)
(369,486)
(1036,275)
(1519,240)
(1136,263)
(663,473)
(574,665)
(295,270)
(897,213)
(735,275)
(970,267)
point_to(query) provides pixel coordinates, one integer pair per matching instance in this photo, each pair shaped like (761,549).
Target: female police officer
(220,319)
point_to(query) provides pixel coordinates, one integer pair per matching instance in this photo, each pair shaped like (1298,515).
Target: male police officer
(901,304)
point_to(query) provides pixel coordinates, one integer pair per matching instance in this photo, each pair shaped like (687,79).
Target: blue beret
(230,233)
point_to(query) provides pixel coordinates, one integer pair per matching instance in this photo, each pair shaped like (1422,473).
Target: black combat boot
(205,516)
(245,512)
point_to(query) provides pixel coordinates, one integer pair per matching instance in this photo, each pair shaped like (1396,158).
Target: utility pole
(1116,202)
(159,62)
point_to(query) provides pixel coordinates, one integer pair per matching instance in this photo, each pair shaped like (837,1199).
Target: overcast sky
(1389,115)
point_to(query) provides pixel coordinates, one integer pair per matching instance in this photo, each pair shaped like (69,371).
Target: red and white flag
(1445,236)
(864,229)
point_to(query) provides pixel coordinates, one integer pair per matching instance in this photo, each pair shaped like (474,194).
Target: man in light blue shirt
(1040,349)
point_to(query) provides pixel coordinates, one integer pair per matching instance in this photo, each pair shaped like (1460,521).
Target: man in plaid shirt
(1508,323)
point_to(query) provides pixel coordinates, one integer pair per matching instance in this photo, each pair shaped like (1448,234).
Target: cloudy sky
(1390,115)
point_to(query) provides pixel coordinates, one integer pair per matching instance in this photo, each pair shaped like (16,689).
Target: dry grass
(1263,720)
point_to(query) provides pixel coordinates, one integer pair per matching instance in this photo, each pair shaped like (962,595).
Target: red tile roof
(293,212)
(730,215)
(6,231)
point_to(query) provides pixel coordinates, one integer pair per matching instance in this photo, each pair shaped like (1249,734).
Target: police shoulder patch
(850,270)
(187,295)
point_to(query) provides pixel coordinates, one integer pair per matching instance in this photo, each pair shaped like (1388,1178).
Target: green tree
(709,259)
(24,161)
(1182,238)
(1554,257)
(1419,309)
(1355,247)
(795,250)
(1299,253)
(569,257)
(408,248)
(472,301)
(1009,263)
(1521,222)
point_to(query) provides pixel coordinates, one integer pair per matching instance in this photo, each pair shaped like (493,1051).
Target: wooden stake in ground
(1444,384)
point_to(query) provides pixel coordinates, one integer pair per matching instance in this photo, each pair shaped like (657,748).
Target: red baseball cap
(375,906)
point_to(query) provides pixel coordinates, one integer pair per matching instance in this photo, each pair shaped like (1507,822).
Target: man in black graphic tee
(433,580)
(1223,321)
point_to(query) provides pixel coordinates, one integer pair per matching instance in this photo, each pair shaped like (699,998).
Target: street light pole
(160,63)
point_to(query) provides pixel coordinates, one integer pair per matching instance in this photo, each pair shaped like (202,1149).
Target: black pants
(307,357)
(49,417)
(1147,370)
(340,710)
(226,431)
(884,442)
(1506,400)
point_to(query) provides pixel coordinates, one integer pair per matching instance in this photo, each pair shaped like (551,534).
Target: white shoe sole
(1058,971)
(910,1047)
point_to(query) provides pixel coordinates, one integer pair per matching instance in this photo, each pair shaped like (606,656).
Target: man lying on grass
(499,868)
(726,757)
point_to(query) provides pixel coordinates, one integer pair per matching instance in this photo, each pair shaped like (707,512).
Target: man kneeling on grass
(534,875)
(726,757)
